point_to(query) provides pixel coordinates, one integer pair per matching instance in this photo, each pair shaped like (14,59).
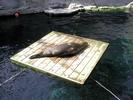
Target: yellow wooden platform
(76,68)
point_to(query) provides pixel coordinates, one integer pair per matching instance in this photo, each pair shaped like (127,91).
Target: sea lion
(62,50)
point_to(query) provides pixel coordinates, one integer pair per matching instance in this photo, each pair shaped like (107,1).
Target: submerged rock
(9,7)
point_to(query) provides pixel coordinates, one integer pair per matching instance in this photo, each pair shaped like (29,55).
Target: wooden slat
(33,45)
(41,46)
(48,61)
(52,41)
(76,68)
(71,62)
(90,65)
(77,62)
(87,58)
(26,53)
(60,61)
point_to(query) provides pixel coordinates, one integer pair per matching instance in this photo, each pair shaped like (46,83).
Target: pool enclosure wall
(8,7)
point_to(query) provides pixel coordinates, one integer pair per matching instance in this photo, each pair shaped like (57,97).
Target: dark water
(114,70)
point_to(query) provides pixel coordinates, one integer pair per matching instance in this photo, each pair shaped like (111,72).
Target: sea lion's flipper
(35,56)
(42,54)
(39,55)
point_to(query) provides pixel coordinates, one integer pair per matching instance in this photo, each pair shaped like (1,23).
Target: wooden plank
(52,41)
(33,45)
(48,61)
(39,47)
(61,61)
(90,65)
(75,63)
(76,68)
(87,58)
(28,51)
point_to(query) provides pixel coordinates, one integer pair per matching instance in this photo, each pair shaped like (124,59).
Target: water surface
(114,70)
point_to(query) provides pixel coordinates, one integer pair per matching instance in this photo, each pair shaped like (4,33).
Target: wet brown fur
(62,50)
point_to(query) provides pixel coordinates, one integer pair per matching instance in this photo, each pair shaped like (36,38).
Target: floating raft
(76,68)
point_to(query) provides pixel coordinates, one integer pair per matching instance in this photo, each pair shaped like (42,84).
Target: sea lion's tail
(40,55)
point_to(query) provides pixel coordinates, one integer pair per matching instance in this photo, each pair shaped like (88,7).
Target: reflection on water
(114,70)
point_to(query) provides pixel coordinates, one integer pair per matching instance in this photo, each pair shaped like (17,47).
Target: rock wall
(33,6)
(13,4)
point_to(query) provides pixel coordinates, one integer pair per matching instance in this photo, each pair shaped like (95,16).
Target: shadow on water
(114,70)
